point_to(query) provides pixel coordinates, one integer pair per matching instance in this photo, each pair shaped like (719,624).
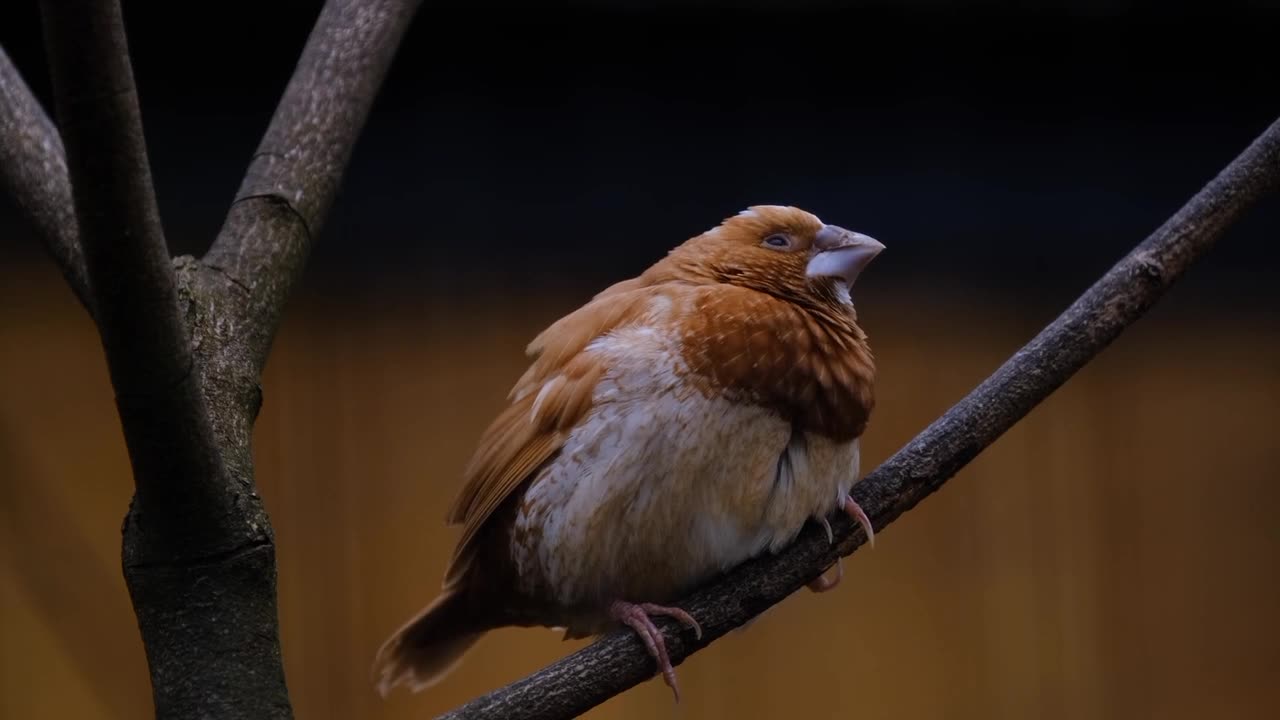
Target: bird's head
(783,251)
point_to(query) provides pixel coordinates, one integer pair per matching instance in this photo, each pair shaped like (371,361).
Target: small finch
(678,424)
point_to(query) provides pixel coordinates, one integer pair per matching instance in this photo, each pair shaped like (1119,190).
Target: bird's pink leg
(821,583)
(636,616)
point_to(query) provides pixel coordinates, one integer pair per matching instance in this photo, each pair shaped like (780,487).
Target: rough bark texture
(184,339)
(33,171)
(618,661)
(294,175)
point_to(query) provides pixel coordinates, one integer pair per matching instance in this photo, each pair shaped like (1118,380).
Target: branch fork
(185,339)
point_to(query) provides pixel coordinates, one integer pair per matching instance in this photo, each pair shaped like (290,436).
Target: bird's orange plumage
(675,425)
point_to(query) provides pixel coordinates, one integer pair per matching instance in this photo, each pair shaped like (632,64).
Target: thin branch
(125,255)
(618,661)
(33,171)
(135,301)
(298,167)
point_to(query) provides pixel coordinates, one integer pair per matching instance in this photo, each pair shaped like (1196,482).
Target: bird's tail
(427,647)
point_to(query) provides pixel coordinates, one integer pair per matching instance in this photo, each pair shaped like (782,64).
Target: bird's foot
(637,617)
(826,525)
(853,510)
(847,505)
(822,583)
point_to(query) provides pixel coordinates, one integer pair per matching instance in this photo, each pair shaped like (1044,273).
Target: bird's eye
(778,241)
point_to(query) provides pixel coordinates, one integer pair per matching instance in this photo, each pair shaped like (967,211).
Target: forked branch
(185,341)
(618,661)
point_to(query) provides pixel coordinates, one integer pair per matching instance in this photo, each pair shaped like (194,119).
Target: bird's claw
(637,617)
(826,525)
(822,584)
(851,508)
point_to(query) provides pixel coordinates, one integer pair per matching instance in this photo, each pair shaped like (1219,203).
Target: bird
(677,424)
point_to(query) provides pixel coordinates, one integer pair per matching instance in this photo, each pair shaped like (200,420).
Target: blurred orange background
(1113,556)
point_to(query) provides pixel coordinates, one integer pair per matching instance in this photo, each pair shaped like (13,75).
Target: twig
(33,170)
(618,661)
(296,171)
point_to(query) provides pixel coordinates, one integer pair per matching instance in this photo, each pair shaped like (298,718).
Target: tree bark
(33,171)
(185,340)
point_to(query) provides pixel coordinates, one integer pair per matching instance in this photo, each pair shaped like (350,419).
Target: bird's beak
(841,253)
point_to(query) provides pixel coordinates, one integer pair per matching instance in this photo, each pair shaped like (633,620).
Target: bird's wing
(552,396)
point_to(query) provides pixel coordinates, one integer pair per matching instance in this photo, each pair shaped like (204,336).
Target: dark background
(988,145)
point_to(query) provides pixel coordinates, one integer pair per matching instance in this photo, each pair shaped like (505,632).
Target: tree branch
(33,170)
(618,661)
(232,303)
(196,547)
(297,169)
(134,297)
(185,341)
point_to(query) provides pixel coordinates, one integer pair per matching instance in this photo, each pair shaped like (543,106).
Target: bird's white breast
(662,486)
